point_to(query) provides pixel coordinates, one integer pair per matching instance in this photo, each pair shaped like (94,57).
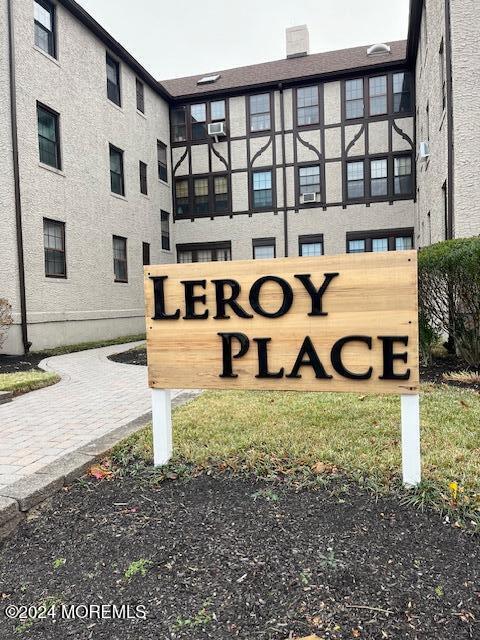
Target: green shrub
(449,294)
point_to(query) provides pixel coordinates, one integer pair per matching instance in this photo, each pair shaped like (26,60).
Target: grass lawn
(311,436)
(24,381)
(84,346)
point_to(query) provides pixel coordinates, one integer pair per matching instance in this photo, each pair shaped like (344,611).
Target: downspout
(284,171)
(16,177)
(450,134)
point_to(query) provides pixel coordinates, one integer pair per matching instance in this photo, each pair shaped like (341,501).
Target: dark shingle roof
(288,69)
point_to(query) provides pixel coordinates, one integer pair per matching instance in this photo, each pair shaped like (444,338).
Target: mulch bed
(432,373)
(239,558)
(15,364)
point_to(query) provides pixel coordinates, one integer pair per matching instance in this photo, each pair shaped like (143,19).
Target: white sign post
(410,419)
(411,465)
(162,426)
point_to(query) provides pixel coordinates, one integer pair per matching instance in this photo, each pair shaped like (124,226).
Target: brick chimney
(297,41)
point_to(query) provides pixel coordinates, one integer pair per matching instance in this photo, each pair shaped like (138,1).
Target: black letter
(159,298)
(222,301)
(313,361)
(389,357)
(191,299)
(315,295)
(227,352)
(255,293)
(336,358)
(263,371)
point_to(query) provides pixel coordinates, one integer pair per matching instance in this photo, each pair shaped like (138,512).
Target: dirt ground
(224,558)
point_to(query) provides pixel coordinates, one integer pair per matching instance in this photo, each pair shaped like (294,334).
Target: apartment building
(107,169)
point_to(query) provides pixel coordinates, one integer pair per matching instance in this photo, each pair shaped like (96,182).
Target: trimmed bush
(449,294)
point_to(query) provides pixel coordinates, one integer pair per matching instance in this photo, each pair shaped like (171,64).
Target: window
(310,245)
(140,91)
(143,177)
(262,189)
(309,179)
(378,95)
(179,124)
(356,246)
(198,114)
(260,112)
(403,243)
(380,244)
(217,110)
(220,193)
(208,252)
(162,161)
(120,259)
(113,80)
(116,171)
(403,184)
(44,26)
(54,248)
(263,248)
(402,92)
(181,197)
(354,99)
(307,106)
(200,195)
(355,180)
(146,253)
(378,177)
(443,86)
(382,240)
(165,230)
(48,136)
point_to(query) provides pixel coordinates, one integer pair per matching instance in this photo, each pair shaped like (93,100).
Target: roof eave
(291,82)
(115,47)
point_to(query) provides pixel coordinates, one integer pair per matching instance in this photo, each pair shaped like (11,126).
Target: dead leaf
(99,472)
(464,404)
(319,467)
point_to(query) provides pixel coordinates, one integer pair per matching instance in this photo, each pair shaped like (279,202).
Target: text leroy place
(339,323)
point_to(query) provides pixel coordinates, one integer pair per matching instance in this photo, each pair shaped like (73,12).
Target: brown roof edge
(414,22)
(86,19)
(288,71)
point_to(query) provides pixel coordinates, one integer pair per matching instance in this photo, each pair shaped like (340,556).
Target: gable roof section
(288,70)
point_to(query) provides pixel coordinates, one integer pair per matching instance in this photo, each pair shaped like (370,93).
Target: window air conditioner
(424,151)
(216,129)
(308,197)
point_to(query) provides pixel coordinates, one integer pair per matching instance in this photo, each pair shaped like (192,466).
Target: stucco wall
(431,174)
(465,17)
(9,286)
(74,85)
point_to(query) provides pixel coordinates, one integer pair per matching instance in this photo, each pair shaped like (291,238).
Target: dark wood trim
(310,239)
(115,279)
(62,276)
(273,206)
(56,115)
(264,242)
(204,246)
(284,170)
(375,234)
(211,195)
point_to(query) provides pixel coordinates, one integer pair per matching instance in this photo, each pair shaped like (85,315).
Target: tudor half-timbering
(106,169)
(314,146)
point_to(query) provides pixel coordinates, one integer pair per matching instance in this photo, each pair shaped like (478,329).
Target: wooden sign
(330,323)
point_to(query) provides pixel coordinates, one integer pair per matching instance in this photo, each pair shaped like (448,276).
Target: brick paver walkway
(94,396)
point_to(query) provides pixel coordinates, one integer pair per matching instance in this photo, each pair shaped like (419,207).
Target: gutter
(450,134)
(284,174)
(16,177)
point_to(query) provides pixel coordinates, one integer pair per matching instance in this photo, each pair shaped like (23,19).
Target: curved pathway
(94,396)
